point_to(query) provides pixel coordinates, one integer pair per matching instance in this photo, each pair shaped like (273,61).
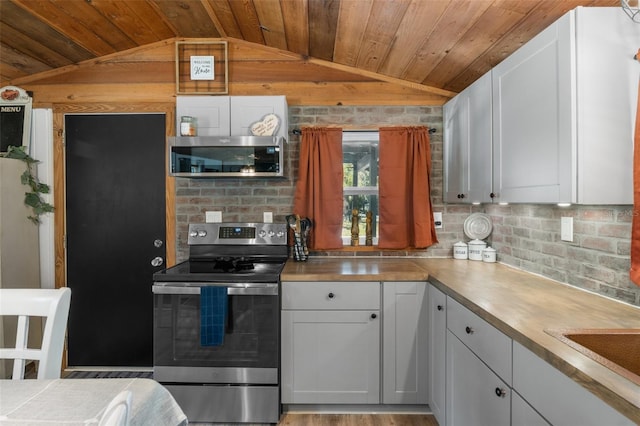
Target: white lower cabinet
(332,349)
(330,357)
(478,370)
(475,394)
(404,330)
(522,414)
(437,352)
(557,398)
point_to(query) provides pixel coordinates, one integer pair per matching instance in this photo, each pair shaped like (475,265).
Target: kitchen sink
(617,349)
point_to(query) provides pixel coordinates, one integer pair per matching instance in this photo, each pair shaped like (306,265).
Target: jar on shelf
(188,126)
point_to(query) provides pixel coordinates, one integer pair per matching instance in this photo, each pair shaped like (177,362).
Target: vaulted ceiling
(444,44)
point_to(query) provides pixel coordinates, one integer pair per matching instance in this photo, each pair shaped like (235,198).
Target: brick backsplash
(528,237)
(525,236)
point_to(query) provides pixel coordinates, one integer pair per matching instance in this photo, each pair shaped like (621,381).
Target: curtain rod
(432,130)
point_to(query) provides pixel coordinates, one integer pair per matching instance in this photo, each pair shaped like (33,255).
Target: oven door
(250,347)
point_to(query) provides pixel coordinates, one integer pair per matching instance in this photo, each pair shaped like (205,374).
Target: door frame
(59,185)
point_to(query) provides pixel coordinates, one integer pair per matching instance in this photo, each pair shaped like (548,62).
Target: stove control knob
(202,233)
(280,234)
(271,233)
(193,234)
(262,233)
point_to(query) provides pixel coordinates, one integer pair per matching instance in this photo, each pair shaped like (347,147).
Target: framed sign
(202,68)
(15,118)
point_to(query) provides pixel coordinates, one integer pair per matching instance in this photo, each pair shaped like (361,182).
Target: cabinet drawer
(487,342)
(331,295)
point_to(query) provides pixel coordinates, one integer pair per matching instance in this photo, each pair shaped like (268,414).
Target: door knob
(157,243)
(157,261)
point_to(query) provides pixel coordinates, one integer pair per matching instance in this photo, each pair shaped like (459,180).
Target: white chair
(118,412)
(48,303)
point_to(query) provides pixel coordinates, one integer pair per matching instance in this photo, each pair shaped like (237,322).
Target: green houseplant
(32,198)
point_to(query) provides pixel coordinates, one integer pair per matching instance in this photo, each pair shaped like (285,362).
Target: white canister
(460,250)
(489,255)
(475,249)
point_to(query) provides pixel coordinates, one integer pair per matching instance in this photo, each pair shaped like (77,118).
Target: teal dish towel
(213,315)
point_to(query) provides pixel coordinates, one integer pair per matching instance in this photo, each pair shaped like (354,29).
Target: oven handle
(233,289)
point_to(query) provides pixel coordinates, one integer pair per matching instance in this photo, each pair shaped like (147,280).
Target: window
(360,184)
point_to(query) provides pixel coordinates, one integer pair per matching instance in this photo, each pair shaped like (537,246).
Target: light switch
(566,228)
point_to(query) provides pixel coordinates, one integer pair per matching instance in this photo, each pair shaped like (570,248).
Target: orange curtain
(634,273)
(406,214)
(318,193)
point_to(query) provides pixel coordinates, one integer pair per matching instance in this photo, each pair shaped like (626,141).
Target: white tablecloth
(82,402)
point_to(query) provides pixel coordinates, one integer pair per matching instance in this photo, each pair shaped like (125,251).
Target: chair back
(53,305)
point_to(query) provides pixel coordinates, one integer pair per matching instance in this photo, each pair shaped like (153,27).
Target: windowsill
(367,250)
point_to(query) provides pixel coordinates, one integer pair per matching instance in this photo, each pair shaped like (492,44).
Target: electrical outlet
(566,229)
(437,219)
(267,217)
(213,217)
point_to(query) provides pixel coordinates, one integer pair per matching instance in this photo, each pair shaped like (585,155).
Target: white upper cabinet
(467,144)
(232,115)
(563,112)
(211,112)
(247,110)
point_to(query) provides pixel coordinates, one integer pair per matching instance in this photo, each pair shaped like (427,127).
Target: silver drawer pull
(469,330)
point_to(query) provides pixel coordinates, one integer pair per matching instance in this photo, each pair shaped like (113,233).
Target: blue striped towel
(213,315)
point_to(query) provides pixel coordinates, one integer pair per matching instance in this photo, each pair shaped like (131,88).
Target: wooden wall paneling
(323,23)
(147,74)
(349,36)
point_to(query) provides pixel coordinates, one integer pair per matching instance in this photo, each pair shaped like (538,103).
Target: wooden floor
(295,419)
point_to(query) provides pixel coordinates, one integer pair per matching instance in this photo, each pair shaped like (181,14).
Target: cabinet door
(467,144)
(211,113)
(330,357)
(557,397)
(475,395)
(607,103)
(404,348)
(533,127)
(246,110)
(522,414)
(437,352)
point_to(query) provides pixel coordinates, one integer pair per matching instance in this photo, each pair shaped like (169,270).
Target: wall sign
(15,118)
(201,67)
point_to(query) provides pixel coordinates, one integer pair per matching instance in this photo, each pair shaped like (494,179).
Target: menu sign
(15,117)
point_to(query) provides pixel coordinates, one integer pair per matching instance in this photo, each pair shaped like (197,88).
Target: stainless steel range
(217,323)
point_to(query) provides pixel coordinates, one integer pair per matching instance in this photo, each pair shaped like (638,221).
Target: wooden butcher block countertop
(520,304)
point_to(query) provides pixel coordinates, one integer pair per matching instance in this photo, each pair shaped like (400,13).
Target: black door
(115,227)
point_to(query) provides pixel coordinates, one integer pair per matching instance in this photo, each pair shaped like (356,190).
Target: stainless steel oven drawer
(228,404)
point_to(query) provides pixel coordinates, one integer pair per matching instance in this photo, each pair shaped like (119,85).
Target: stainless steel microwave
(226,156)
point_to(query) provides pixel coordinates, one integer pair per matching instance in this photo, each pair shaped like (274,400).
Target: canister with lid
(188,126)
(460,250)
(489,255)
(475,249)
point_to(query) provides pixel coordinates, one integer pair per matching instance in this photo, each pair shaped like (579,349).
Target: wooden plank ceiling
(441,44)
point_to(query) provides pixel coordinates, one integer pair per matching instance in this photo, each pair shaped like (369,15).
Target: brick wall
(598,259)
(245,200)
(525,236)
